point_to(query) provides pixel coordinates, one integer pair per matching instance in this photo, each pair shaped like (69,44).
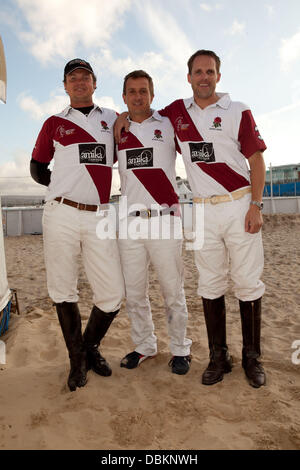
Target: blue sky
(258,42)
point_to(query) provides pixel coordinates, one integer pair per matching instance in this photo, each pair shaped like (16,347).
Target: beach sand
(149,407)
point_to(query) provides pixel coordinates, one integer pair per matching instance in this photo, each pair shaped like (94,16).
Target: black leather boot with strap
(220,360)
(96,328)
(70,322)
(251,327)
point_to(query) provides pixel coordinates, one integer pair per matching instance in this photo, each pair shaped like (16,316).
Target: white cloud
(289,52)
(210,7)
(106,102)
(57,27)
(280,129)
(165,32)
(205,7)
(270,10)
(56,104)
(37,110)
(149,61)
(236,28)
(15,176)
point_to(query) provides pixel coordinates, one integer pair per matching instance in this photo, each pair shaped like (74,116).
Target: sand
(149,407)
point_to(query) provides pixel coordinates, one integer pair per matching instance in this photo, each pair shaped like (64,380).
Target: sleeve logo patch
(257,133)
(202,152)
(92,153)
(139,158)
(180,125)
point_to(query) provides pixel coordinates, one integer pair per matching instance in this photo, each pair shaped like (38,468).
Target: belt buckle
(148,213)
(144,214)
(213,199)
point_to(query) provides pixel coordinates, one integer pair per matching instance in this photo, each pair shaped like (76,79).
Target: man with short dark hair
(217,137)
(146,161)
(80,140)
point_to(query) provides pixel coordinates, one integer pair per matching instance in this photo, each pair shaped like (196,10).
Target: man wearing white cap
(80,141)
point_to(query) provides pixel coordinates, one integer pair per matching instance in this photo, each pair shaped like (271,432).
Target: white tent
(5,293)
(2,73)
(185,194)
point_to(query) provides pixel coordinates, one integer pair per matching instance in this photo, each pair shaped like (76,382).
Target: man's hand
(121,123)
(253,220)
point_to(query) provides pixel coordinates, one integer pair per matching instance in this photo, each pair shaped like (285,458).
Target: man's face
(80,87)
(204,78)
(138,97)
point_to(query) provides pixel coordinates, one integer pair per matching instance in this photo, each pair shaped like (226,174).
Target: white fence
(22,220)
(281,205)
(28,220)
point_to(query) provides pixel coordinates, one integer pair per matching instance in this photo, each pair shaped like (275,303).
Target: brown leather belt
(77,205)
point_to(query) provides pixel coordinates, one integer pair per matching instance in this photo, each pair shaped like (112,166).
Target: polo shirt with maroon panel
(82,148)
(146,161)
(83,151)
(215,143)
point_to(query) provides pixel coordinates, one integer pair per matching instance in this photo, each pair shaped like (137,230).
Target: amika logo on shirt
(202,152)
(92,153)
(139,158)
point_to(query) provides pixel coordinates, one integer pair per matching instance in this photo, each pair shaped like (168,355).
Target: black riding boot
(70,322)
(220,360)
(251,326)
(96,328)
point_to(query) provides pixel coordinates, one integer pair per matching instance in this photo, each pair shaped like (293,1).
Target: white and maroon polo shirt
(83,151)
(215,143)
(146,160)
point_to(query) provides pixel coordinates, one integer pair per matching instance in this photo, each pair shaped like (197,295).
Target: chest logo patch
(104,126)
(139,158)
(202,152)
(92,153)
(217,124)
(157,134)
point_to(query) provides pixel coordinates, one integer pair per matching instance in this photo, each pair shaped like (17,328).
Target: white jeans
(165,255)
(229,252)
(69,232)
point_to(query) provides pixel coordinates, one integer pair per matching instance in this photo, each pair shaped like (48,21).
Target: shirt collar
(155,115)
(69,108)
(223,102)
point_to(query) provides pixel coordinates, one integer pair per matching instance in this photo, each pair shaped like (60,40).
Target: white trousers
(229,252)
(165,256)
(69,232)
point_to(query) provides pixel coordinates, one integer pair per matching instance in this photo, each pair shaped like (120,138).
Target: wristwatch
(259,204)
